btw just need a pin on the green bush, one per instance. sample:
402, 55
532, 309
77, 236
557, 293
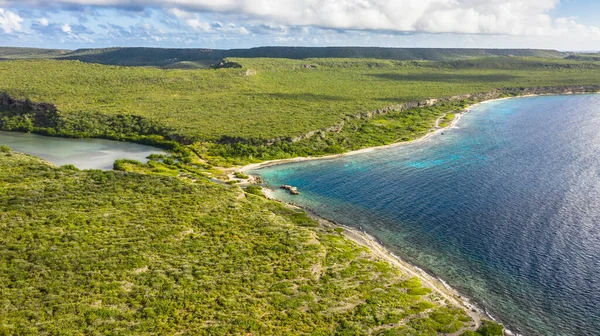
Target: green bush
255, 190
241, 175
419, 291
122, 163
156, 157
489, 328
68, 167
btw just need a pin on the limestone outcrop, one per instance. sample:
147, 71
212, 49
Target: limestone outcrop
292, 190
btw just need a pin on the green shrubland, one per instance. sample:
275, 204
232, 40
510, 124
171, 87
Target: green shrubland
593, 57
108, 252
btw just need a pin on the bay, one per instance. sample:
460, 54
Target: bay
505, 207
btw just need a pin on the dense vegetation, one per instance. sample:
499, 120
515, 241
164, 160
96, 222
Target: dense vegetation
185, 58
262, 110
105, 252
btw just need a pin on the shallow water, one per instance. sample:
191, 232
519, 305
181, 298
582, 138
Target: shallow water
505, 207
82, 153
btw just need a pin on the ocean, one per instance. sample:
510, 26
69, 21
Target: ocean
505, 207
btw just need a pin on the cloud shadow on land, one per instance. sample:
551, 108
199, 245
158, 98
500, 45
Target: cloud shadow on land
446, 78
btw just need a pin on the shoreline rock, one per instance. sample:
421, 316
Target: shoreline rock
292, 190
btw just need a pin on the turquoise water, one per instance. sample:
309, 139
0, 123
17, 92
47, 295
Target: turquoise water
505, 207
82, 153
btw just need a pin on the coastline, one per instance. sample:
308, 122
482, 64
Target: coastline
451, 295
378, 250
434, 130
437, 285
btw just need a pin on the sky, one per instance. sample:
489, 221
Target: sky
569, 25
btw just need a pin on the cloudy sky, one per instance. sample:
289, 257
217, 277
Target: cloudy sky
71, 24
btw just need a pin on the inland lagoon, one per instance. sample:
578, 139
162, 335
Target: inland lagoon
505, 207
82, 153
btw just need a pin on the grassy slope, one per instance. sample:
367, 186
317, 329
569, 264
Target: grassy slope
130, 254
285, 98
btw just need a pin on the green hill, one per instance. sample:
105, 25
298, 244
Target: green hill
166, 57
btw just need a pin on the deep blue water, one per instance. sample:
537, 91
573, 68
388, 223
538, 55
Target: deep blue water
505, 207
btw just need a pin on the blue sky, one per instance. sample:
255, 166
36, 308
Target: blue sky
71, 24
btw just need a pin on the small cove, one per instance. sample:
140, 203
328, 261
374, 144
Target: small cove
82, 153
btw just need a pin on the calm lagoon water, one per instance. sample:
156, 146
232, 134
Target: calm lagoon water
505, 207
82, 153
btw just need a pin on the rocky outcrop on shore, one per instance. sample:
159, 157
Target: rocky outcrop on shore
42, 114
292, 190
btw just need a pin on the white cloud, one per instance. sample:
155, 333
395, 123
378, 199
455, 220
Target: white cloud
193, 21
43, 22
190, 19
9, 21
247, 23
66, 28
509, 17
